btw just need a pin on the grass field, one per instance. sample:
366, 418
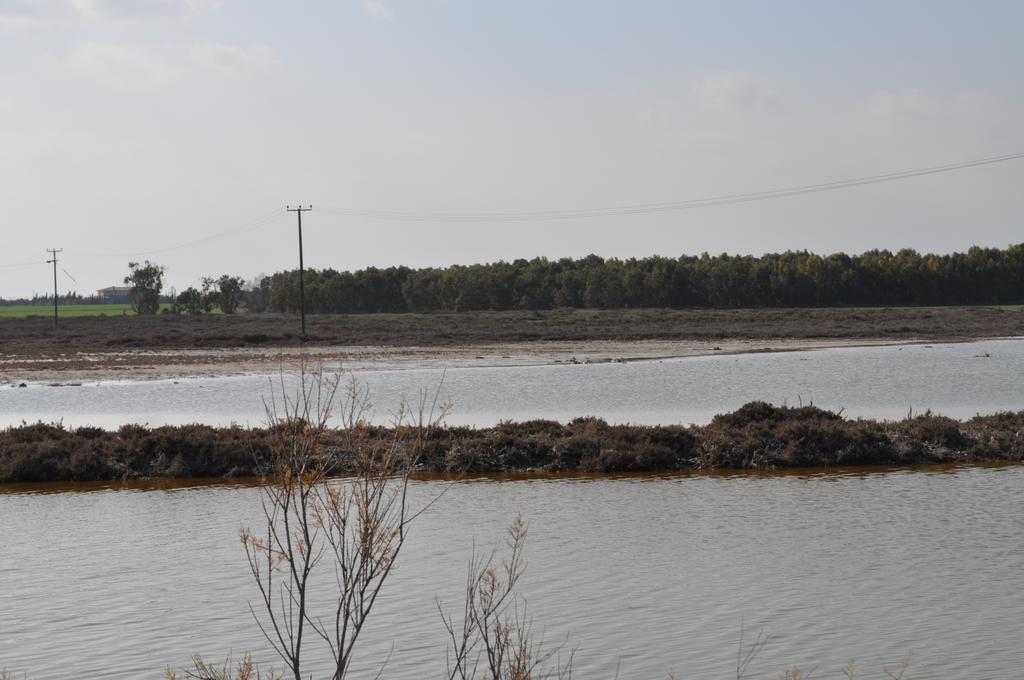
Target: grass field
23, 311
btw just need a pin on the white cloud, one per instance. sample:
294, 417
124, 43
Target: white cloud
144, 68
378, 9
123, 67
18, 16
906, 103
13, 23
88, 9
732, 92
142, 9
233, 59
22, 15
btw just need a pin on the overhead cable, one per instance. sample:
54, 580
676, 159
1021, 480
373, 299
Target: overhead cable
245, 227
21, 264
666, 206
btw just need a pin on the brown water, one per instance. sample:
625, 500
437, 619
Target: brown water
653, 574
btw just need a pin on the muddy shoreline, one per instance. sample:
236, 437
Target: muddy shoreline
223, 362
757, 436
96, 348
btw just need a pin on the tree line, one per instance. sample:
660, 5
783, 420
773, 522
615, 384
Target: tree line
789, 279
37, 299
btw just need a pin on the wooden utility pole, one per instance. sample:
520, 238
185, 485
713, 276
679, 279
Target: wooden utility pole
302, 286
54, 251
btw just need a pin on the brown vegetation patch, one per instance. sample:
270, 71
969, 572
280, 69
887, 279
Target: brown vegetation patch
758, 435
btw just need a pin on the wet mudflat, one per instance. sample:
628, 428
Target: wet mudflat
958, 380
35, 337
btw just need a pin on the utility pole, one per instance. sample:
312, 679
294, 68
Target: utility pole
302, 286
54, 251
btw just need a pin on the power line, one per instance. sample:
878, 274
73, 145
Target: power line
270, 217
259, 222
251, 225
23, 264
666, 206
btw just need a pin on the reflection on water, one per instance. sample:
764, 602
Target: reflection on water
654, 573
183, 483
958, 380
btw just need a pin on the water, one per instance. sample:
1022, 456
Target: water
654, 574
650, 574
958, 380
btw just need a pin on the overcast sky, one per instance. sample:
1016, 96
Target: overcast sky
132, 126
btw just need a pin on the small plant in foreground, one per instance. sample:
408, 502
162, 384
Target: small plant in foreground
244, 670
495, 640
357, 525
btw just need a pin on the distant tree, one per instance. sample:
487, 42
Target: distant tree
256, 294
788, 279
189, 301
229, 293
208, 295
146, 280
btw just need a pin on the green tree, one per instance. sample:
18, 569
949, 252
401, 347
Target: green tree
146, 280
256, 297
788, 279
189, 301
207, 295
229, 293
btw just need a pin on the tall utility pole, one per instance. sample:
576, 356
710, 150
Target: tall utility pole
302, 286
54, 251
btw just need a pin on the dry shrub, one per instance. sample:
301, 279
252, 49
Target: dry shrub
929, 438
1000, 435
757, 435
533, 428
761, 435
36, 432
759, 412
494, 638
575, 452
202, 670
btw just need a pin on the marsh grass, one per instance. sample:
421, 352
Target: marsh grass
757, 436
245, 669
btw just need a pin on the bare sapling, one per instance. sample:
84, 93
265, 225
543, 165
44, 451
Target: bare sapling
495, 639
356, 524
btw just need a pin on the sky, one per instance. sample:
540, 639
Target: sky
178, 130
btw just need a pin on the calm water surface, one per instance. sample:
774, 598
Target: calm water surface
653, 573
958, 380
